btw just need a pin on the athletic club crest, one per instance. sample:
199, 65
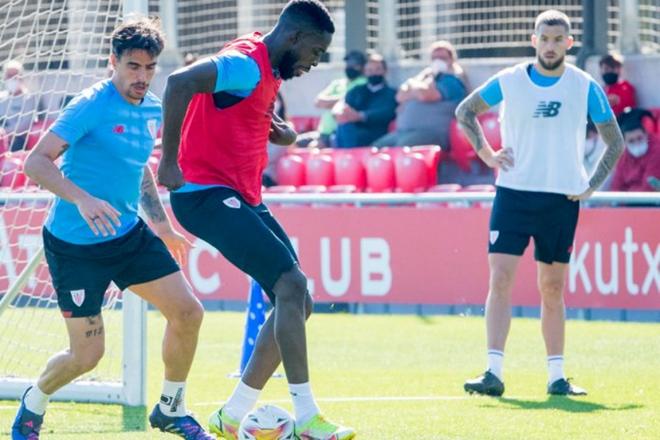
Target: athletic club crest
493, 236
152, 126
232, 202
78, 297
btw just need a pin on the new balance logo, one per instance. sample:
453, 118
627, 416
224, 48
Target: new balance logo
547, 109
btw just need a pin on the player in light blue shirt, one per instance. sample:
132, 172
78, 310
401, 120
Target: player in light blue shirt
93, 235
597, 106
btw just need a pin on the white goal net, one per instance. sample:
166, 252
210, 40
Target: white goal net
50, 50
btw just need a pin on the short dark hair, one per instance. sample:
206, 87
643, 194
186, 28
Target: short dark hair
378, 58
552, 17
309, 13
138, 34
612, 60
633, 119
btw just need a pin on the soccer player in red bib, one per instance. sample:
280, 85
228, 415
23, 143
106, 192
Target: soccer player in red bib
218, 119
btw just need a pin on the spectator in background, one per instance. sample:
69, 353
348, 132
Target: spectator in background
335, 91
427, 101
639, 166
268, 178
620, 93
367, 110
190, 58
19, 107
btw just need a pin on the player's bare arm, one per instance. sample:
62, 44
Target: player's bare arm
182, 84
281, 132
466, 115
153, 208
611, 134
40, 167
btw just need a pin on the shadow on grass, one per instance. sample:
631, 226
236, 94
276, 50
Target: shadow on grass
565, 404
134, 418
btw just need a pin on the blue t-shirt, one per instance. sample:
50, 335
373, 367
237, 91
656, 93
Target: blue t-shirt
110, 141
598, 106
238, 75
450, 87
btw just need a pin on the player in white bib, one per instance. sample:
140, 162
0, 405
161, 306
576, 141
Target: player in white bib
541, 179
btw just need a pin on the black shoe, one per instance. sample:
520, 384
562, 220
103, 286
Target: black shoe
487, 384
562, 387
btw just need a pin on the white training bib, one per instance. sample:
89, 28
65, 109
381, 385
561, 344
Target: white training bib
545, 127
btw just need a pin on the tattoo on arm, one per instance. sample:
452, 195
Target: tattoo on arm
149, 199
466, 114
613, 138
98, 331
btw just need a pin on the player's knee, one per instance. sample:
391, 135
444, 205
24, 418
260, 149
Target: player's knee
552, 291
291, 287
501, 282
188, 316
87, 359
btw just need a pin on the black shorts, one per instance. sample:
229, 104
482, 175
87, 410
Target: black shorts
82, 273
248, 236
549, 218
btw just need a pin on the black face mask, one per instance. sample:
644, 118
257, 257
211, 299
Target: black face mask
352, 73
610, 78
376, 80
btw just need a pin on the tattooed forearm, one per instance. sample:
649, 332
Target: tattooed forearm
466, 114
94, 332
149, 199
612, 137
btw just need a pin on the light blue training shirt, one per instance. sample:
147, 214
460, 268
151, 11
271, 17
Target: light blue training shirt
598, 106
110, 141
238, 75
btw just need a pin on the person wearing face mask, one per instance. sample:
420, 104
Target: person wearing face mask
639, 166
367, 110
18, 105
427, 101
620, 92
335, 91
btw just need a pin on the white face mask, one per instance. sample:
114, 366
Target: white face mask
12, 85
638, 149
439, 66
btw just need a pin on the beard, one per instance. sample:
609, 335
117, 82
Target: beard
550, 66
286, 67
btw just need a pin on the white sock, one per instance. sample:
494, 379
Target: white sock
495, 361
241, 401
555, 368
304, 404
172, 400
36, 400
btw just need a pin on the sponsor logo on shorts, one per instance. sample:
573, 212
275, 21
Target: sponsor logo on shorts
232, 202
493, 236
78, 296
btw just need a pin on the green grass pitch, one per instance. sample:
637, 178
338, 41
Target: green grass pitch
401, 377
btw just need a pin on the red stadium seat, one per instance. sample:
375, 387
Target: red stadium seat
281, 189
11, 175
461, 150
380, 173
342, 189
312, 189
303, 124
445, 187
320, 170
411, 172
350, 167
290, 170
656, 114
432, 156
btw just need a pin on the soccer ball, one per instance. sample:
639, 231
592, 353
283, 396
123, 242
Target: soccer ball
267, 423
